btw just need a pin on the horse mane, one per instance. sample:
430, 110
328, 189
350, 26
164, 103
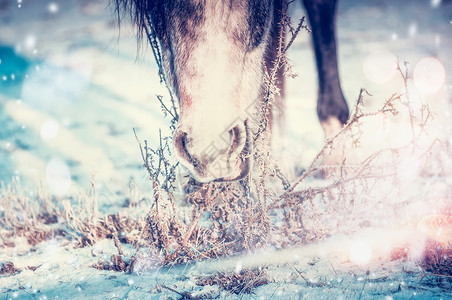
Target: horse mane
138, 11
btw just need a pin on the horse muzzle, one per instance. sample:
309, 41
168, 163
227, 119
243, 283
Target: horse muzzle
222, 157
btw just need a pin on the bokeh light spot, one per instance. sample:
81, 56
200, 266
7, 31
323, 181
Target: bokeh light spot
30, 41
380, 66
408, 168
435, 3
412, 30
58, 177
53, 7
360, 253
49, 129
429, 75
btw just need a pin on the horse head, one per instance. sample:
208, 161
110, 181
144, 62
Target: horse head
213, 57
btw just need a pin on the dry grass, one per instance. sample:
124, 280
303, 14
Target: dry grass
34, 217
116, 263
40, 217
238, 283
8, 269
437, 261
89, 225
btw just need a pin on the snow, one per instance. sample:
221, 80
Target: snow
329, 273
72, 89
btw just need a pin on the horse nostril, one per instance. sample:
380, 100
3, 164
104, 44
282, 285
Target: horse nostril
180, 143
235, 134
212, 156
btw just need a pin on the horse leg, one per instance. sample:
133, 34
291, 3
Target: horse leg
332, 108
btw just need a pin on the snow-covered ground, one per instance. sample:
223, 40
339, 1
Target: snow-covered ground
72, 89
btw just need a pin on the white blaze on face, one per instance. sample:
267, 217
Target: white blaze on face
212, 108
226, 77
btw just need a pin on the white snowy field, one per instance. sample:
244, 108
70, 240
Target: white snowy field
72, 89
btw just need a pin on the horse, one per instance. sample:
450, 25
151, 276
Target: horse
214, 55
